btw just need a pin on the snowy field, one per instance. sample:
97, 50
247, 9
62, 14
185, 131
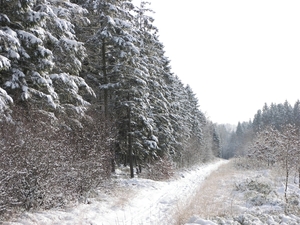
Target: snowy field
247, 197
132, 201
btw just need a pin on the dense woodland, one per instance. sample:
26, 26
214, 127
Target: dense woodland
279, 118
85, 86
271, 140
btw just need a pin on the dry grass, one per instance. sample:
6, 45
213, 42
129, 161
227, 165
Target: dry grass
213, 198
123, 196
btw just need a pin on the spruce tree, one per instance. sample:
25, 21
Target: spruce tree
152, 63
123, 78
296, 114
43, 54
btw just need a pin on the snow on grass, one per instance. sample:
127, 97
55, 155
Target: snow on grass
252, 196
132, 201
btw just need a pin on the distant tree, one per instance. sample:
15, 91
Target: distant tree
224, 133
266, 117
239, 130
257, 121
266, 146
288, 113
216, 143
290, 151
296, 112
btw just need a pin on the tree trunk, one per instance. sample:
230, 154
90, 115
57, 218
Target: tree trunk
286, 179
113, 158
113, 169
105, 78
130, 155
124, 158
299, 176
113, 166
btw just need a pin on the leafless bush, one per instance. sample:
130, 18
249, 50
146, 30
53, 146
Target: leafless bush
23, 162
92, 155
278, 148
44, 165
160, 169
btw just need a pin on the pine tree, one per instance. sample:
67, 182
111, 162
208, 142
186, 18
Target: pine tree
296, 114
124, 79
43, 54
288, 113
266, 118
257, 121
152, 63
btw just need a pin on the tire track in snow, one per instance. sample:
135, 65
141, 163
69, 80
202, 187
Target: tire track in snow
156, 203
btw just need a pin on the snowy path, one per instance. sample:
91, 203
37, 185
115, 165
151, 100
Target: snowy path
153, 203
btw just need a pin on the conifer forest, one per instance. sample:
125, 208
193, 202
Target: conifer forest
85, 87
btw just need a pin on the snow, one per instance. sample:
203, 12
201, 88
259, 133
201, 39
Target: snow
123, 54
37, 78
122, 23
4, 18
10, 35
140, 201
25, 95
113, 8
195, 220
151, 144
29, 37
143, 201
24, 53
5, 100
33, 16
71, 45
74, 83
110, 21
50, 101
14, 83
253, 197
44, 52
13, 54
4, 62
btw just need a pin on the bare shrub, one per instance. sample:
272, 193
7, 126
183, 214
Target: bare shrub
279, 148
91, 158
44, 165
160, 169
25, 160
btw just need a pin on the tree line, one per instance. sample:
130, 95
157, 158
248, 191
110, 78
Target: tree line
272, 139
85, 87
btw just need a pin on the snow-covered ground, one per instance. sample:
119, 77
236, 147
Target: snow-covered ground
250, 197
132, 201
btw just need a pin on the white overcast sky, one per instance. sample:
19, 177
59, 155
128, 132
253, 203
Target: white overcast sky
235, 54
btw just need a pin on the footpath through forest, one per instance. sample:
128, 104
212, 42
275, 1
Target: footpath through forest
130, 202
